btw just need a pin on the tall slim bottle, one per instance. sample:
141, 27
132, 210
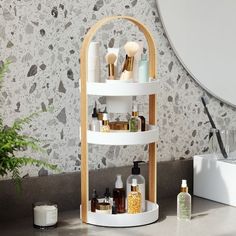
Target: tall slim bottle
184, 202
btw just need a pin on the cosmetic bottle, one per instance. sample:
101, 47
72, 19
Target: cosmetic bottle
134, 198
94, 62
119, 195
184, 202
105, 123
134, 121
143, 69
143, 122
94, 201
95, 124
114, 208
140, 181
107, 196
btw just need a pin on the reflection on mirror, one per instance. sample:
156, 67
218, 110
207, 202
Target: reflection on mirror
203, 36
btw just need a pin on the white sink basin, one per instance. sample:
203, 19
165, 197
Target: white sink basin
215, 179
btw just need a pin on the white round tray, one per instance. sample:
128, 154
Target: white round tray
123, 138
119, 88
125, 220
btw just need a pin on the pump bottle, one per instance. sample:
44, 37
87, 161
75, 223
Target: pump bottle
184, 202
140, 181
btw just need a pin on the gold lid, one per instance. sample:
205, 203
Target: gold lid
100, 116
134, 113
103, 206
119, 125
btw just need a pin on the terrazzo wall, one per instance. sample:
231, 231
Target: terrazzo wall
43, 38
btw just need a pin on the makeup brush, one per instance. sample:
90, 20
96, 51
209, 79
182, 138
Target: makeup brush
110, 59
219, 139
131, 48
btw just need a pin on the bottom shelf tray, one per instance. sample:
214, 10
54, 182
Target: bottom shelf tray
125, 220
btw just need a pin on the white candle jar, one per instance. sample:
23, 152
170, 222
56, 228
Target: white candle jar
45, 215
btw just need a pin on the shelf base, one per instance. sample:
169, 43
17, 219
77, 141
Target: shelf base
151, 215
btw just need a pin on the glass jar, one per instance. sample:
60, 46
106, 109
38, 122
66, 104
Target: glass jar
45, 215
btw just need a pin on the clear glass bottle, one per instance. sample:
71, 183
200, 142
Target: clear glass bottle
105, 123
119, 195
95, 124
136, 174
134, 121
184, 202
134, 199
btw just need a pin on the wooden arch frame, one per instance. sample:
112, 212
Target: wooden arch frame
84, 109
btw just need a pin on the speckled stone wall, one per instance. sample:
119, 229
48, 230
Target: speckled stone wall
43, 38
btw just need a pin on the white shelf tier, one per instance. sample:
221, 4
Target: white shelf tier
125, 220
123, 138
122, 88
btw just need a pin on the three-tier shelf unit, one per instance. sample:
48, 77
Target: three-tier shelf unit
118, 138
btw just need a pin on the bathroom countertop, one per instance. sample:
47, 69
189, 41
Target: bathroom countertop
208, 218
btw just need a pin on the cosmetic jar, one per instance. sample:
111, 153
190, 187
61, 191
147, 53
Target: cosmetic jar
104, 208
119, 125
45, 215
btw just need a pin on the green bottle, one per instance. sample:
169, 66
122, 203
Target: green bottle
184, 202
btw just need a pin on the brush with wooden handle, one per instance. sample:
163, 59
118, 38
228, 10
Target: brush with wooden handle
110, 59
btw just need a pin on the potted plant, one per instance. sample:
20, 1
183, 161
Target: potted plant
13, 142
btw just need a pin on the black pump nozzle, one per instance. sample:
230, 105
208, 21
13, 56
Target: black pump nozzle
136, 169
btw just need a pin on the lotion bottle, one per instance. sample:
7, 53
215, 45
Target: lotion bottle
143, 69
184, 202
140, 181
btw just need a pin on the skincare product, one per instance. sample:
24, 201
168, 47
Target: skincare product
105, 123
134, 198
94, 66
143, 69
134, 121
119, 195
116, 52
131, 49
114, 208
107, 196
94, 201
137, 59
103, 208
119, 125
184, 202
45, 215
95, 124
110, 59
140, 181
143, 122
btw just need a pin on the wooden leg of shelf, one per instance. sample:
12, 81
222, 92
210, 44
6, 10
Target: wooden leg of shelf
84, 145
152, 173
152, 151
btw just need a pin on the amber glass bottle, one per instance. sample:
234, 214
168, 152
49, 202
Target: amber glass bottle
119, 195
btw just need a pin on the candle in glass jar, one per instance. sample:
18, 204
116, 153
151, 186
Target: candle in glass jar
45, 215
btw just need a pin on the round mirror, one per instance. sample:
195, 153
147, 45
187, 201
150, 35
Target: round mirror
203, 36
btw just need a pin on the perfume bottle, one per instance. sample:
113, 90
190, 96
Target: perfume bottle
134, 199
94, 201
184, 202
105, 123
119, 195
134, 121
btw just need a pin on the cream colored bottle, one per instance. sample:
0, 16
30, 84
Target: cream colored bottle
184, 202
134, 199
